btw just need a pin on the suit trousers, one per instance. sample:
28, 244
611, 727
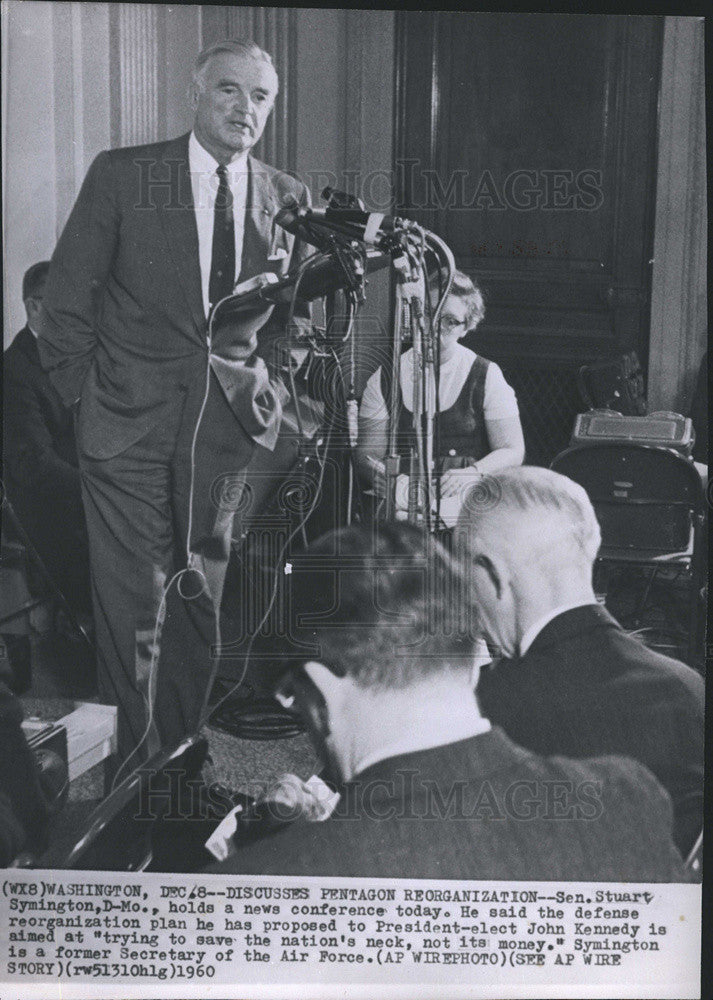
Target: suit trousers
156, 647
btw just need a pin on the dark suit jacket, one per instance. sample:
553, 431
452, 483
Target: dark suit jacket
483, 808
124, 324
39, 453
585, 688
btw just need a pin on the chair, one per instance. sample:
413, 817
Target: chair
650, 504
120, 833
617, 384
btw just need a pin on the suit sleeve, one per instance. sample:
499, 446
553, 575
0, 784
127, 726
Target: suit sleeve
79, 269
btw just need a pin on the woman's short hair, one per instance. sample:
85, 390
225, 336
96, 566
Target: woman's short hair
465, 288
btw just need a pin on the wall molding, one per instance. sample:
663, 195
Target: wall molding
82, 109
138, 93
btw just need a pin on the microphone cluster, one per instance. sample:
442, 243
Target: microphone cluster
319, 226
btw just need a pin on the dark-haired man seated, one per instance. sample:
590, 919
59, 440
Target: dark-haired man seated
429, 789
41, 469
570, 680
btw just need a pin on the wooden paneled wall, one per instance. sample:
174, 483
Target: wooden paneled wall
679, 299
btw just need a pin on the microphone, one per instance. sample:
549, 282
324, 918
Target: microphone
315, 225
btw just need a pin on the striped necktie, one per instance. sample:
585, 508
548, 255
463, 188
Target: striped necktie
222, 265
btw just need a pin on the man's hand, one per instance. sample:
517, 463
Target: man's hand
309, 800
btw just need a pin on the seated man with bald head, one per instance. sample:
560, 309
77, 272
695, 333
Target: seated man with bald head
570, 680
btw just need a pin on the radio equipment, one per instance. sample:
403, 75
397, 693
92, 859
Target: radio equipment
659, 430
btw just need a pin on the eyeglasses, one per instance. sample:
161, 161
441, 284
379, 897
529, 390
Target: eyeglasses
451, 322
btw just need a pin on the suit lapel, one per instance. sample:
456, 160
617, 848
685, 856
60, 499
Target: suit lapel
260, 212
178, 219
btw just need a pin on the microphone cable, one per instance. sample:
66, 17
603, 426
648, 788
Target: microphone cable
191, 564
206, 713
301, 272
206, 710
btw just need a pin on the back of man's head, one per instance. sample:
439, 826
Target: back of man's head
540, 522
392, 596
33, 282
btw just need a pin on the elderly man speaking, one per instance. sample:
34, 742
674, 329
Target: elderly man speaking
570, 680
167, 406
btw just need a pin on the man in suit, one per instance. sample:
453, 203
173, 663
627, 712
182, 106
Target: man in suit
40, 468
169, 407
429, 789
570, 680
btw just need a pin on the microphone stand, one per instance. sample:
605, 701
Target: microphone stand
343, 264
409, 317
419, 495
433, 370
401, 322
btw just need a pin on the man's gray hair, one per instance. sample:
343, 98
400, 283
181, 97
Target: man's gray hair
237, 46
531, 492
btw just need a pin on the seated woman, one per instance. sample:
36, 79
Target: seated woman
478, 424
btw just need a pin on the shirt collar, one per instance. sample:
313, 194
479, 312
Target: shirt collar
534, 630
201, 162
34, 333
462, 730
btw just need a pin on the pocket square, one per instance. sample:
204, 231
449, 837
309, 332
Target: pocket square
279, 254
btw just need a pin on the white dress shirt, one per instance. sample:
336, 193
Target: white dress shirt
499, 400
204, 185
463, 728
